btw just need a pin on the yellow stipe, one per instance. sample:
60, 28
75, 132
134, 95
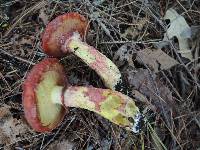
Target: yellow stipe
77, 98
109, 73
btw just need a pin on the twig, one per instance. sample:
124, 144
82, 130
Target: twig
27, 11
16, 57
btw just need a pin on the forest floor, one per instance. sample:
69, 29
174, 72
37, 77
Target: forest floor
157, 53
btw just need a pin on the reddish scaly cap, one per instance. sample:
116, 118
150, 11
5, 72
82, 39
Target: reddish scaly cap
59, 29
29, 98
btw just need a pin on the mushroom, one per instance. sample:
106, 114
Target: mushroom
64, 34
46, 93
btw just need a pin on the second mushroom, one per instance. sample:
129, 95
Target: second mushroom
64, 34
46, 92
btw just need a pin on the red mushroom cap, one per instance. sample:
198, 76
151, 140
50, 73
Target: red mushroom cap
41, 113
59, 29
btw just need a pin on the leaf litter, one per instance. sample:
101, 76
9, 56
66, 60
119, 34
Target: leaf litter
155, 59
12, 129
149, 85
178, 28
128, 33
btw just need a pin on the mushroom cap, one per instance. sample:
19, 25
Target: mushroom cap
59, 29
41, 113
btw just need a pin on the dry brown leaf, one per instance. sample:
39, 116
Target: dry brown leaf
149, 85
156, 92
155, 59
125, 54
122, 55
11, 129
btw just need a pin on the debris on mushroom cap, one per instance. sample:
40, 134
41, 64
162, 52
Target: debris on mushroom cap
59, 29
40, 112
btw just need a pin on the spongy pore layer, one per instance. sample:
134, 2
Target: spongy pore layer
40, 111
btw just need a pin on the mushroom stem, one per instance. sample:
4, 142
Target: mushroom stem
104, 67
114, 106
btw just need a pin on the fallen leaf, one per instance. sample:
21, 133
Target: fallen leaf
180, 29
125, 54
122, 55
156, 92
11, 129
143, 81
155, 59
